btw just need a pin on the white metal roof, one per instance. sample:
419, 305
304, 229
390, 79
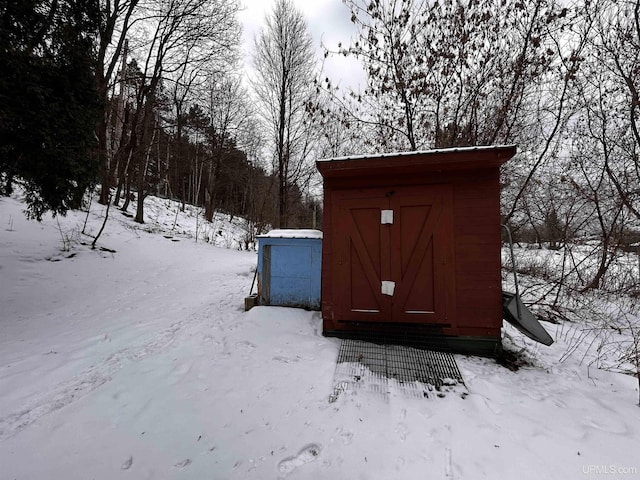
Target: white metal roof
292, 233
416, 152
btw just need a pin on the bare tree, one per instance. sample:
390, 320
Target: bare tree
229, 113
212, 55
284, 62
182, 32
616, 49
449, 73
117, 18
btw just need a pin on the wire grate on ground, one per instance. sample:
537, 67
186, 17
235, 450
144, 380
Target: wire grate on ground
384, 368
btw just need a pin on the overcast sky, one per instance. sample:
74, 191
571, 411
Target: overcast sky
328, 21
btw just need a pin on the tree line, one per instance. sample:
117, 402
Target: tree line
148, 96
145, 97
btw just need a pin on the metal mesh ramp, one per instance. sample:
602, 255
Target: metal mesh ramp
384, 369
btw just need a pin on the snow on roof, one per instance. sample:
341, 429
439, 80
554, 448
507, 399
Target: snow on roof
292, 233
416, 152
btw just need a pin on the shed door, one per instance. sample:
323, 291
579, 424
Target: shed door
394, 255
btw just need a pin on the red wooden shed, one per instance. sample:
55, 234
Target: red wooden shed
411, 247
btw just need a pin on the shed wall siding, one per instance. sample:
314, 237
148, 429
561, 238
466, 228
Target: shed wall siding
477, 245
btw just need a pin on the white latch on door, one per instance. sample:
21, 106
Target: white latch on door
386, 217
388, 287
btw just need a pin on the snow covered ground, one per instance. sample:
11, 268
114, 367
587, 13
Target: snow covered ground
142, 364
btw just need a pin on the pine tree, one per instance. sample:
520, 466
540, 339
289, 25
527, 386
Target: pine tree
48, 102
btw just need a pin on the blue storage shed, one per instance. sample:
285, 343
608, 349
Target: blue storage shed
289, 267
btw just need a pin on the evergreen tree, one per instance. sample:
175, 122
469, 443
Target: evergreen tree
48, 101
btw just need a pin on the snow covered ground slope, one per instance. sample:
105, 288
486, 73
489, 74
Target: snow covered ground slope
141, 364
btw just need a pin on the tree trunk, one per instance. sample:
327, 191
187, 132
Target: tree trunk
127, 193
102, 138
282, 176
602, 268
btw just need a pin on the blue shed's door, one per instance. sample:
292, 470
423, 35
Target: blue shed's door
290, 267
290, 274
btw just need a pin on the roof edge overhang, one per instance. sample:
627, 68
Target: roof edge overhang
447, 159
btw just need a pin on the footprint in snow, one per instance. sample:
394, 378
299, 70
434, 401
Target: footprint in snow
402, 430
127, 463
347, 437
308, 454
286, 359
184, 463
245, 345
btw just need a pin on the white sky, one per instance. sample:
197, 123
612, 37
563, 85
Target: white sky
328, 21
